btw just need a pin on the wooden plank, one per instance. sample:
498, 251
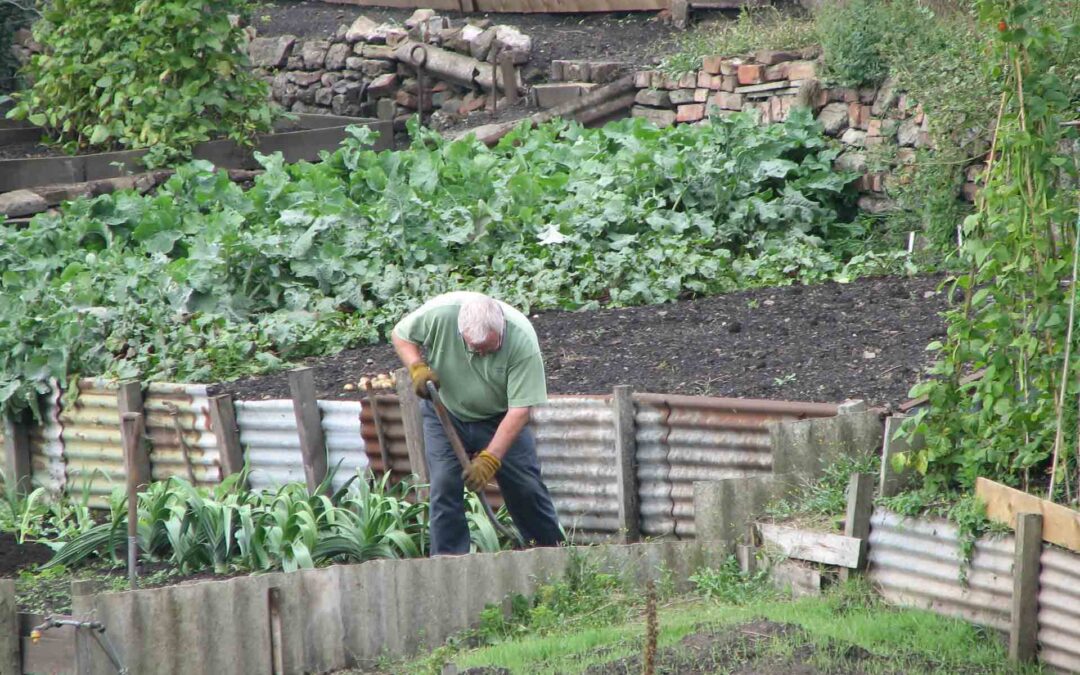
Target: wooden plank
309, 426
1024, 618
453, 5
860, 506
129, 399
1061, 525
819, 547
626, 464
569, 6
227, 433
413, 423
10, 647
16, 466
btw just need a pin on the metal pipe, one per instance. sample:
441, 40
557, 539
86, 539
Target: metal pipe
744, 405
463, 459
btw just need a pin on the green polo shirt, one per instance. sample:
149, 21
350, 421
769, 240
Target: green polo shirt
475, 387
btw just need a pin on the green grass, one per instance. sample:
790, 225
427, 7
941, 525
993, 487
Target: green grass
900, 640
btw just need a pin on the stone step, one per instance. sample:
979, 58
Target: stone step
557, 93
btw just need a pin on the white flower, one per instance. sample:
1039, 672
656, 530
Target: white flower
552, 235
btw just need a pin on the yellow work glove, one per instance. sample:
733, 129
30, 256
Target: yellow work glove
481, 471
422, 374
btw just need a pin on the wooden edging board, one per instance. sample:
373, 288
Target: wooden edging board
518, 6
303, 141
1061, 525
819, 547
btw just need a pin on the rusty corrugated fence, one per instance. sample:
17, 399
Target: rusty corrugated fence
1059, 609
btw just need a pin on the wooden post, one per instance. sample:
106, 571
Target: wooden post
309, 426
747, 556
386, 111
129, 399
891, 483
227, 433
131, 432
626, 463
413, 422
509, 77
17, 467
1024, 627
860, 506
680, 13
10, 641
81, 608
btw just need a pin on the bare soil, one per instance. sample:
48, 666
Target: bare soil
15, 556
826, 342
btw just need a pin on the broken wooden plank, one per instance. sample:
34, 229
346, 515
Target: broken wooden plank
1061, 525
819, 547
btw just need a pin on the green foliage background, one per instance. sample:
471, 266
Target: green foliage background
204, 280
159, 74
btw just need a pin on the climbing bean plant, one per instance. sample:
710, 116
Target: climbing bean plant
1013, 322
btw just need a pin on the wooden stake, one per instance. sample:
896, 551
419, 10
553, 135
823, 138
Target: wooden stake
626, 464
227, 433
860, 506
17, 467
129, 399
413, 423
10, 641
131, 432
309, 426
1024, 624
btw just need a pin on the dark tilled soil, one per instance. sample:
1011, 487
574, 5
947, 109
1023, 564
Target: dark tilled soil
826, 342
14, 556
625, 37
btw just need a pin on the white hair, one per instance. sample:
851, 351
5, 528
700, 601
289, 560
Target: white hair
480, 317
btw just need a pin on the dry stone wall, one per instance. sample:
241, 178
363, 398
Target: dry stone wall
366, 63
880, 128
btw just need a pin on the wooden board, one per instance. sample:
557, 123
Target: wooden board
1061, 525
819, 547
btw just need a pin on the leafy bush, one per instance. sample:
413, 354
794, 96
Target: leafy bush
851, 33
226, 527
730, 584
159, 74
204, 280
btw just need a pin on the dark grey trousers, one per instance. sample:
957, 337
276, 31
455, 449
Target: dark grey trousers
519, 479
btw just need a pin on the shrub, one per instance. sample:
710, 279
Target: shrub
851, 35
160, 74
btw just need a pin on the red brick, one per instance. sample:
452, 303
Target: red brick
711, 64
729, 83
688, 81
707, 81
858, 115
801, 70
691, 112
873, 128
472, 105
751, 73
642, 79
701, 95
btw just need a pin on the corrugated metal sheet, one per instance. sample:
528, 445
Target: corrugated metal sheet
90, 436
178, 426
683, 439
47, 462
575, 440
1059, 609
394, 429
271, 440
917, 563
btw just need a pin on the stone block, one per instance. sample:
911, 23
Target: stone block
801, 70
642, 78
843, 95
313, 52
660, 118
22, 203
729, 82
375, 67
324, 96
604, 72
727, 101
730, 67
481, 45
886, 98
383, 86
769, 57
692, 112
557, 93
707, 81
575, 71
336, 55
804, 449
777, 72
751, 73
329, 79
510, 40
867, 95
354, 63
688, 81
851, 160
374, 52
701, 95
853, 137
724, 509
682, 96
418, 17
305, 79
908, 132
362, 29
874, 204
271, 52
657, 98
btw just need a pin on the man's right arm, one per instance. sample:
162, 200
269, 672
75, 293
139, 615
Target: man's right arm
408, 352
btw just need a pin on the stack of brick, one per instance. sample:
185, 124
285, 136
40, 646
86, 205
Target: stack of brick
769, 84
573, 79
352, 72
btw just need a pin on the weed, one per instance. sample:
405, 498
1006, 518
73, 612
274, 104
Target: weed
824, 499
781, 381
730, 584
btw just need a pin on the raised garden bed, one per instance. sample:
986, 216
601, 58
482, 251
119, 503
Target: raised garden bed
297, 140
